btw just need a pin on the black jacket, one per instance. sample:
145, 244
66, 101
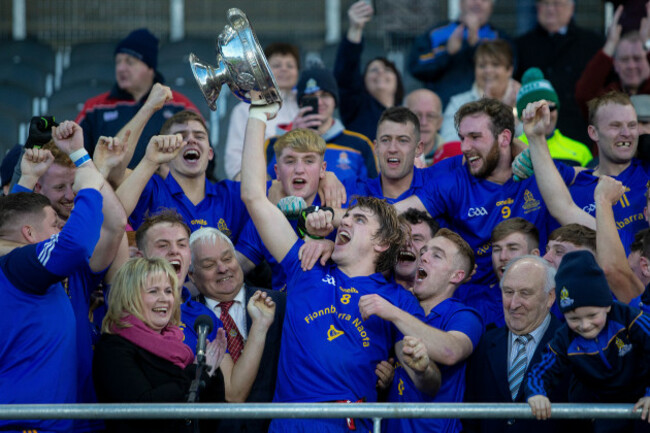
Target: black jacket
126, 373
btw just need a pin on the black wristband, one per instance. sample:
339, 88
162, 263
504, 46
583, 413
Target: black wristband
302, 220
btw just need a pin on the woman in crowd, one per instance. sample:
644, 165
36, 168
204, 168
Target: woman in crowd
363, 99
493, 67
141, 356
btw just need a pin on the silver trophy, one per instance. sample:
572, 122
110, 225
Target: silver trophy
241, 65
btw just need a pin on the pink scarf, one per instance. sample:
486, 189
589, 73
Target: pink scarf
168, 344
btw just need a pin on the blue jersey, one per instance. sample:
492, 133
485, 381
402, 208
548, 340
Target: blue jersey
472, 207
328, 352
449, 315
221, 208
79, 287
38, 347
628, 212
190, 310
611, 368
422, 177
250, 245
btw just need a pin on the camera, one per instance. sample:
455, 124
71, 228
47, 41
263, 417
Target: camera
40, 131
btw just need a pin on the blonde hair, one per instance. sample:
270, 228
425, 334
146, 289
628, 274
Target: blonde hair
300, 140
125, 296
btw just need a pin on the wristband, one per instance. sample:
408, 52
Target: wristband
257, 114
80, 157
302, 220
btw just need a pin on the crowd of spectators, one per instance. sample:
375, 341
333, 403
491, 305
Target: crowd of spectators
461, 243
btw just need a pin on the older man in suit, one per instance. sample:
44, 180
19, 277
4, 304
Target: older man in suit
219, 278
501, 359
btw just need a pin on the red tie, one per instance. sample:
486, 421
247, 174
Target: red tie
233, 337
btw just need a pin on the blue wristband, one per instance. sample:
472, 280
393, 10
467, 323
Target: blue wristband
81, 161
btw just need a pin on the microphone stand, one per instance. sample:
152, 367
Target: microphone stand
195, 388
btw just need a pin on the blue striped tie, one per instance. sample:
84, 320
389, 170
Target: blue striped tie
519, 364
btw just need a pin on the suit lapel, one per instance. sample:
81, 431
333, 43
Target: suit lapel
249, 292
498, 361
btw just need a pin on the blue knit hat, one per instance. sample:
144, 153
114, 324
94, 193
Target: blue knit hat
580, 282
313, 80
142, 45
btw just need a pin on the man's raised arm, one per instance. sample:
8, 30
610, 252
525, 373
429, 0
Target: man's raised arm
609, 248
273, 227
536, 117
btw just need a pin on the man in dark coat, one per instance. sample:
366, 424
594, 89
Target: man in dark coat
501, 360
561, 50
219, 278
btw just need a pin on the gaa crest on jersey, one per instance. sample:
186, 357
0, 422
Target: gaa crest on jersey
565, 300
530, 202
223, 227
623, 349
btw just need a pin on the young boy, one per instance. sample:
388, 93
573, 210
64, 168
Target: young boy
605, 343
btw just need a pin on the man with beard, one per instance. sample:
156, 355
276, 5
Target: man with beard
474, 198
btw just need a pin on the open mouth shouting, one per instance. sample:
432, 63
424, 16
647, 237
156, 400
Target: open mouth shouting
393, 161
421, 274
191, 155
343, 237
406, 256
176, 264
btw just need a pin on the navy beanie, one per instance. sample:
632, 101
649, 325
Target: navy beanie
580, 282
142, 45
313, 80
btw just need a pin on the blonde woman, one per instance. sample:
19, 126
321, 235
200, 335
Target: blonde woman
141, 356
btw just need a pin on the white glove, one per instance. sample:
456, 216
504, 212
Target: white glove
263, 112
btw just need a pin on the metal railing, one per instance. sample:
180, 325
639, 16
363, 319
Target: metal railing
374, 411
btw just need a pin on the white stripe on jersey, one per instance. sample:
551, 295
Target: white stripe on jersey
45, 253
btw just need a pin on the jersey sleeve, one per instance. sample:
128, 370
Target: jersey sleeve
567, 173
469, 322
544, 376
291, 265
434, 197
145, 203
239, 216
639, 329
34, 268
250, 244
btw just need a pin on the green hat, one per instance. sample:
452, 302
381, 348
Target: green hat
535, 88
